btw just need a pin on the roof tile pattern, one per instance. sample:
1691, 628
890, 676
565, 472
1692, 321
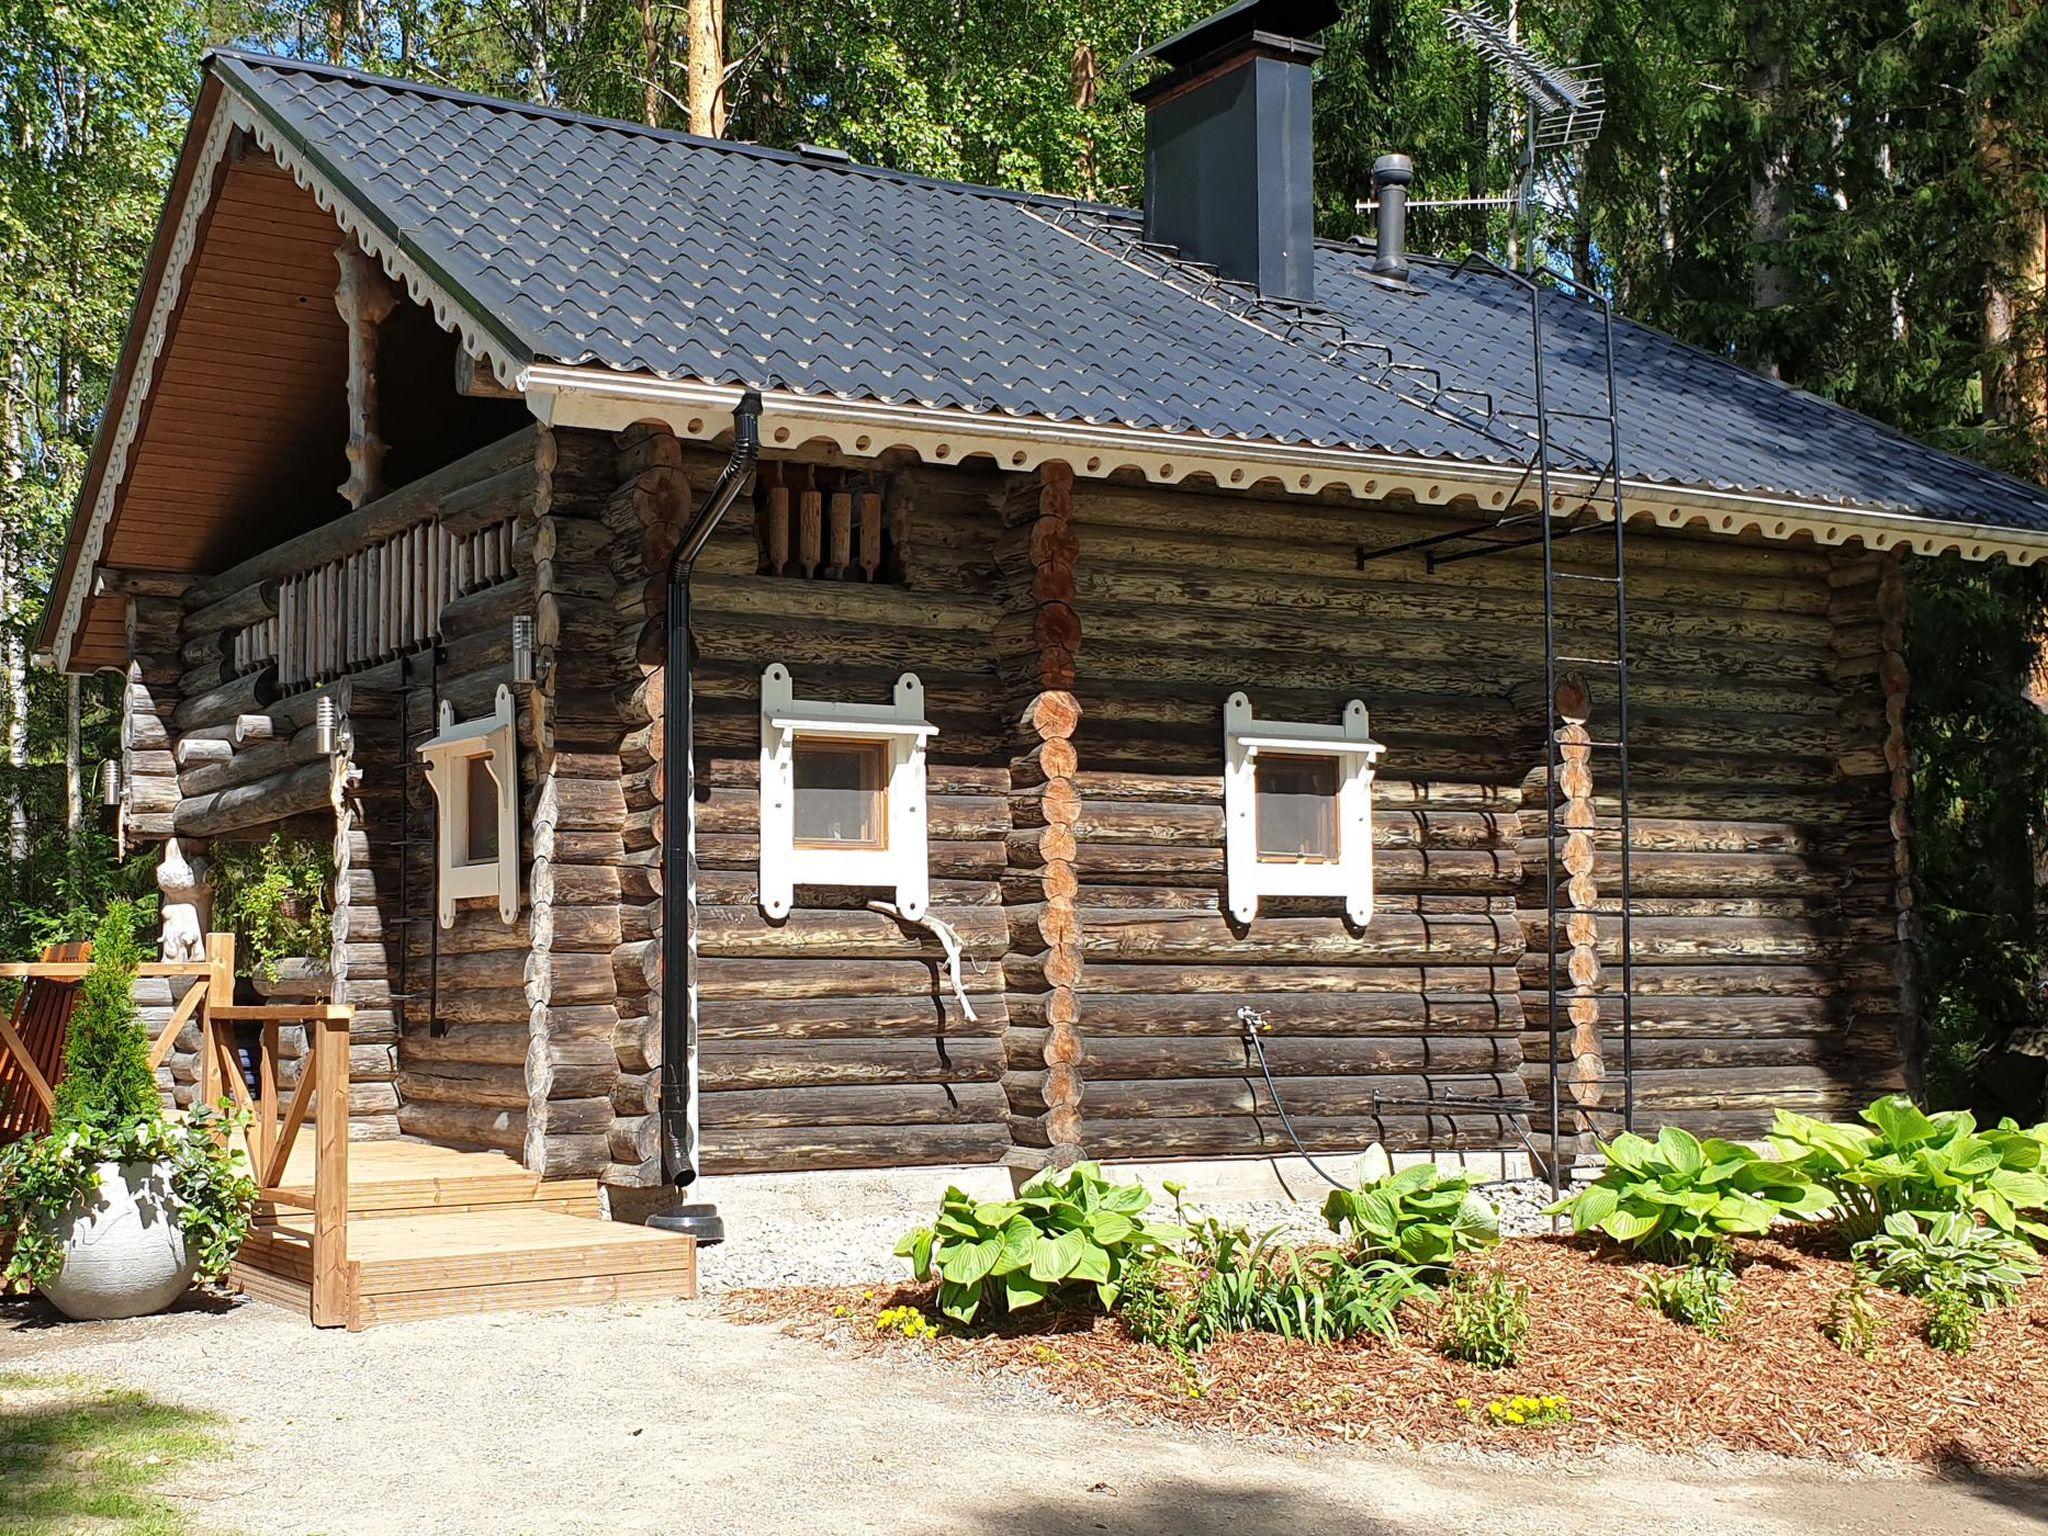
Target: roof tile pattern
596, 242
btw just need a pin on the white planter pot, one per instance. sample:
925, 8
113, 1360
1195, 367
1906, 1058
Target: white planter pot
124, 1249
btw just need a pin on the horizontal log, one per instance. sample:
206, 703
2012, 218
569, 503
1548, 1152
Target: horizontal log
933, 1017
471, 1125
896, 1104
748, 1149
817, 1063
1263, 1135
288, 793
1312, 1097
1390, 939
741, 932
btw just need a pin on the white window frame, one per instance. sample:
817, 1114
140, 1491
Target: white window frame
1349, 875
901, 865
447, 755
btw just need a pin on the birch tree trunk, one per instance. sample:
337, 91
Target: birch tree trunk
707, 68
1769, 79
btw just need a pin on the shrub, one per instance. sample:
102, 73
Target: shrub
1852, 1323
1422, 1216
1486, 1320
108, 1110
1066, 1228
1679, 1198
1902, 1160
1949, 1254
107, 1079
1951, 1321
1701, 1295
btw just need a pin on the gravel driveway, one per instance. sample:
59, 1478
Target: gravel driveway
668, 1418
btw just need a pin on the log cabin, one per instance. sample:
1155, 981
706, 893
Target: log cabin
805, 667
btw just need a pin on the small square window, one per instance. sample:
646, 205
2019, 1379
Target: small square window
480, 804
1297, 809
841, 790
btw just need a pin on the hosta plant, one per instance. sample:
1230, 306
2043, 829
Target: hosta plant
1067, 1228
1422, 1216
1901, 1160
1950, 1253
1679, 1198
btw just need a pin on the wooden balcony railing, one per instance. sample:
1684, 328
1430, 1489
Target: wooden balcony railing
273, 1110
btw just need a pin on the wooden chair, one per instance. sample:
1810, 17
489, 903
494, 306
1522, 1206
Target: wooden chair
32, 1044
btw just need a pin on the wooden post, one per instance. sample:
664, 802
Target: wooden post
331, 1299
220, 991
364, 298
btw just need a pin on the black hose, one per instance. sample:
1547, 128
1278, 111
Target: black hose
1252, 1021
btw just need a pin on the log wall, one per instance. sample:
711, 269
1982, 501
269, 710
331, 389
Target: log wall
1184, 599
1076, 641
833, 1039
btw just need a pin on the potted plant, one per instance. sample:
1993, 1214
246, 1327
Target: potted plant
119, 1207
274, 897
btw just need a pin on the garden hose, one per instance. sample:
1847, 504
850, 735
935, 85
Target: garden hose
1253, 1022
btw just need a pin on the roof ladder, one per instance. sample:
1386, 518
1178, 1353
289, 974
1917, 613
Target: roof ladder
1544, 526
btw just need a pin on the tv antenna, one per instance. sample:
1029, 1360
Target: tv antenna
1560, 108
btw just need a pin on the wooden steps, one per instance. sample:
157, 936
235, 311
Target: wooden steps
434, 1231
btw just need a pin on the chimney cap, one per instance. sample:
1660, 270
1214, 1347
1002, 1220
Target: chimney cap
1282, 18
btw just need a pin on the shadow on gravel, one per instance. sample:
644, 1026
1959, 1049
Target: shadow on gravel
20, 1314
1183, 1507
2024, 1493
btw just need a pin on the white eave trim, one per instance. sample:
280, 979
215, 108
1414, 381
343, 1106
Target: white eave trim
603, 400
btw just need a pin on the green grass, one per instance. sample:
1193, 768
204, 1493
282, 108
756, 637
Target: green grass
77, 1457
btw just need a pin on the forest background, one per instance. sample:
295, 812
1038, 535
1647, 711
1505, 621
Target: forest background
1850, 195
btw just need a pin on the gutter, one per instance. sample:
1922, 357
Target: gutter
680, 1121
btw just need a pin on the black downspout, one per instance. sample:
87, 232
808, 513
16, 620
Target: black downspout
678, 1027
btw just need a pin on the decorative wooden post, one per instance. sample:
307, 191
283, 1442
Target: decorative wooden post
364, 297
214, 1049
1039, 645
330, 1036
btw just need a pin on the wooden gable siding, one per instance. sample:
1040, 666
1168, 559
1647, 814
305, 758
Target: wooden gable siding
256, 342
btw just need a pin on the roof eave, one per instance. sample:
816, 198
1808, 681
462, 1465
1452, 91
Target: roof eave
603, 399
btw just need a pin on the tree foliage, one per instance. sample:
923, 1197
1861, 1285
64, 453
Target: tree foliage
1849, 195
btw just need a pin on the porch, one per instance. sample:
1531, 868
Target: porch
353, 1233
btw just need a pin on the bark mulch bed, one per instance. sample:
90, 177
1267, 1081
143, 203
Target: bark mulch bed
1776, 1385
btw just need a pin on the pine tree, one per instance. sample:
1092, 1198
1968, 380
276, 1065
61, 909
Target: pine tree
107, 1079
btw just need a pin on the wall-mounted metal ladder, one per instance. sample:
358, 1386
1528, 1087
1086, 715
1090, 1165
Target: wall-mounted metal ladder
1574, 495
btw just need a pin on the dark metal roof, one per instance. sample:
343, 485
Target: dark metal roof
577, 240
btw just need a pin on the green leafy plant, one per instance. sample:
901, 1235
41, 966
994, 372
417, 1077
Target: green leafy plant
1485, 1320
274, 895
1422, 1216
1521, 1412
1701, 1295
1951, 1254
1231, 1282
1903, 1160
108, 1111
1952, 1321
1680, 1198
1065, 1229
1853, 1325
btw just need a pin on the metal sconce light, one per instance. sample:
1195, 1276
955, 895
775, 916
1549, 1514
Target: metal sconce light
522, 648
110, 783
323, 726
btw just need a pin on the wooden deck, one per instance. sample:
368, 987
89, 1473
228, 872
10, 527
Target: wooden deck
434, 1231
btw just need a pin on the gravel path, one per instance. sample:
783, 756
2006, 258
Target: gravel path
666, 1418
807, 1250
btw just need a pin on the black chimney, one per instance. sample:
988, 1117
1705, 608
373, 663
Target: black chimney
1229, 162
